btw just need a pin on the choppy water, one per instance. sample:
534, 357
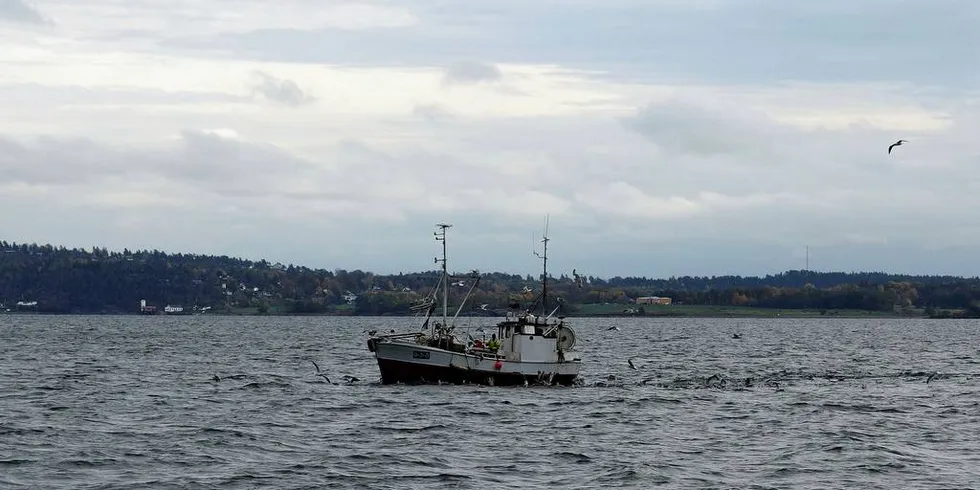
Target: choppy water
131, 402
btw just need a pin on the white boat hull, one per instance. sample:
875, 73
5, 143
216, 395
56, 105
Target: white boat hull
409, 362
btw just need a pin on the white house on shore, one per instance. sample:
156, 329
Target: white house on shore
652, 300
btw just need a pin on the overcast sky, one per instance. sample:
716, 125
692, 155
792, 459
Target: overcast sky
663, 137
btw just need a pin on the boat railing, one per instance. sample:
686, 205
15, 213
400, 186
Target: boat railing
396, 336
484, 353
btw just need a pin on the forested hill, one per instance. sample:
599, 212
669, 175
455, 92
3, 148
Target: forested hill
788, 279
98, 280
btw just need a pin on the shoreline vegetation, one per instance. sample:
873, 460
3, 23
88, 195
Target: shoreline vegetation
666, 311
45, 279
587, 311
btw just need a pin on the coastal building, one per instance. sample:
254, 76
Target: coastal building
24, 306
652, 300
146, 309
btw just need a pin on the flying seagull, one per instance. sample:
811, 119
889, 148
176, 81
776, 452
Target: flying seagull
893, 145
318, 373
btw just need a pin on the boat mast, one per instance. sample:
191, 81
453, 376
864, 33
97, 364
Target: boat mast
441, 236
544, 278
544, 275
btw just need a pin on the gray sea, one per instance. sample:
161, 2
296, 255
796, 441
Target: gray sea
234, 402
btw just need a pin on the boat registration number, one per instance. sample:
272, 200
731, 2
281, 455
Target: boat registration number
420, 354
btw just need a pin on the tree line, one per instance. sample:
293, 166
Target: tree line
53, 279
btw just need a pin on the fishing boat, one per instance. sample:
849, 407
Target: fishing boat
525, 348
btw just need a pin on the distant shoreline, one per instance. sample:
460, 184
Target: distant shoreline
57, 280
674, 311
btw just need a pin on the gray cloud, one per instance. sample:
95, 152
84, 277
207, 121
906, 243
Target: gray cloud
201, 160
686, 128
283, 91
722, 40
222, 164
57, 161
209, 163
471, 72
18, 11
432, 112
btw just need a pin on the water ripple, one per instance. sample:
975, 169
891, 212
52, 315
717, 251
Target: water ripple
212, 402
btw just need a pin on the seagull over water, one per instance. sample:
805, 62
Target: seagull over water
897, 143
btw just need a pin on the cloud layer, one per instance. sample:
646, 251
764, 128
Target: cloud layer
18, 11
662, 137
